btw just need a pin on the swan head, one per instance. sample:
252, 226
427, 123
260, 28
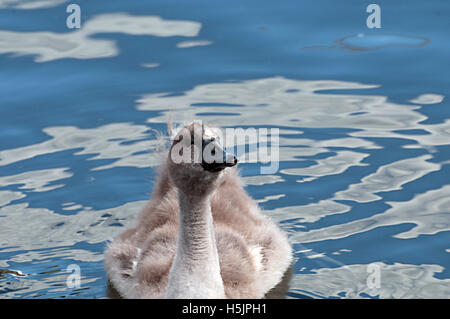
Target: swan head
197, 159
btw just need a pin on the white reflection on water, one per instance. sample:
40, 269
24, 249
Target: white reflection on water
366, 42
49, 46
295, 103
397, 281
363, 41
44, 239
308, 213
388, 178
37, 181
105, 142
295, 148
260, 180
54, 282
428, 99
7, 197
150, 65
51, 230
428, 211
284, 101
330, 166
190, 44
29, 4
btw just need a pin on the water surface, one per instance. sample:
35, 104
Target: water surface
364, 163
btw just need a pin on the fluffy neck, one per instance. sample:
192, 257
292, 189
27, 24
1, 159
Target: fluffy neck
195, 272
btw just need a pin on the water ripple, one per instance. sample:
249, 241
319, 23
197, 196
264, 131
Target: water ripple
428, 211
49, 46
398, 281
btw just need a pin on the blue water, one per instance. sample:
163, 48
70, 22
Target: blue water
363, 178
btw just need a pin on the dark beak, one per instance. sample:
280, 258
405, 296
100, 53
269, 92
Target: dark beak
219, 161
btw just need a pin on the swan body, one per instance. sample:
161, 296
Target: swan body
200, 236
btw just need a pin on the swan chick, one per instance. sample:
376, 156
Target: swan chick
200, 235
